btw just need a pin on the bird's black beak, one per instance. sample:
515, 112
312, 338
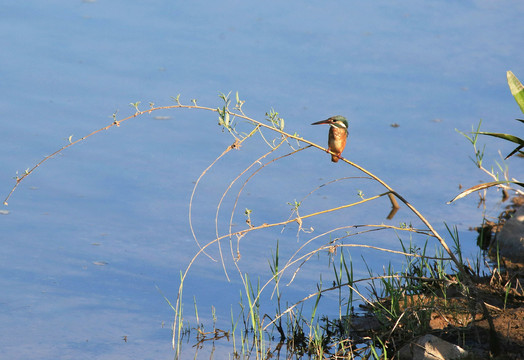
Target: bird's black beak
327, 121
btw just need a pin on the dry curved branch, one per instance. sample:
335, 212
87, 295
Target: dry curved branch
222, 199
259, 125
249, 178
193, 195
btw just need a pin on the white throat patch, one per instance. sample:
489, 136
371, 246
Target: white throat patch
339, 125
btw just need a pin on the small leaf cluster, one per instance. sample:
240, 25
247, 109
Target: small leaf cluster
224, 118
276, 121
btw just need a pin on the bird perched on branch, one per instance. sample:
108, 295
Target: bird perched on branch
338, 133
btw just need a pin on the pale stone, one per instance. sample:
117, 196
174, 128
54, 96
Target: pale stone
430, 347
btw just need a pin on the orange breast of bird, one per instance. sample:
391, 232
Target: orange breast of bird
337, 142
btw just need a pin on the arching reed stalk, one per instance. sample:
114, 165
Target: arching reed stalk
227, 119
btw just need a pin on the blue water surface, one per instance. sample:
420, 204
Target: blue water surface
92, 234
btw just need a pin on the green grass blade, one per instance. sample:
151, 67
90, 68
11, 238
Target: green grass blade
517, 89
508, 137
518, 148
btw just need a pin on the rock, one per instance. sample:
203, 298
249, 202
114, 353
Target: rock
430, 347
511, 238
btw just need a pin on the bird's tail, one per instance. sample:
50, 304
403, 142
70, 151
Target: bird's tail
334, 158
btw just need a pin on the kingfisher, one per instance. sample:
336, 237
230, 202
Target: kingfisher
338, 133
